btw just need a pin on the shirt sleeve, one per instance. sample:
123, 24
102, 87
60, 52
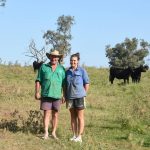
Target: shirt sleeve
63, 77
85, 77
38, 78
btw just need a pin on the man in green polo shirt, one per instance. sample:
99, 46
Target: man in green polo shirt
48, 88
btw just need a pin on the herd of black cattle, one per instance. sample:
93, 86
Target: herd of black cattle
116, 72
124, 74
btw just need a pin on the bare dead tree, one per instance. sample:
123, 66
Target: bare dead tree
33, 52
39, 55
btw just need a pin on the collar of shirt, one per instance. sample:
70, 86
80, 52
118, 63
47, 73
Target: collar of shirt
77, 69
48, 64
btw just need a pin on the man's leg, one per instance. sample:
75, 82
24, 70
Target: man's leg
54, 123
46, 122
55, 109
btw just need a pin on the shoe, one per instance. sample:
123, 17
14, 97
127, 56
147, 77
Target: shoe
73, 138
78, 139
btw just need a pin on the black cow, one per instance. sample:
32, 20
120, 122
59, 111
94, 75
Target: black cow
136, 73
37, 65
119, 73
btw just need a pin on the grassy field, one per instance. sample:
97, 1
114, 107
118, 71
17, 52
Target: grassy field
117, 116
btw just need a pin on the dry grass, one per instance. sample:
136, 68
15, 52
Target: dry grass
116, 118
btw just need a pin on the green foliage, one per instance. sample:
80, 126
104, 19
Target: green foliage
33, 124
11, 125
131, 53
60, 39
2, 3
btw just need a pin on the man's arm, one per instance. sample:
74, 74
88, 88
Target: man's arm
37, 90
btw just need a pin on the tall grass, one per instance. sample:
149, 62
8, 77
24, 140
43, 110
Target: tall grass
117, 116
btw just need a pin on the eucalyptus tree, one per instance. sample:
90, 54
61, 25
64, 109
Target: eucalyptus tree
129, 53
60, 39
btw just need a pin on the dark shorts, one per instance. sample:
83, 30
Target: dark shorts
78, 103
48, 103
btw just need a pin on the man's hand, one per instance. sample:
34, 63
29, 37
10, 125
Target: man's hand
37, 96
63, 100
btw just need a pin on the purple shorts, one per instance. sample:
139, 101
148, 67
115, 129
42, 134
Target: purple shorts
48, 103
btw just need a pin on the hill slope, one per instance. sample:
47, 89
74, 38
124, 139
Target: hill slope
117, 116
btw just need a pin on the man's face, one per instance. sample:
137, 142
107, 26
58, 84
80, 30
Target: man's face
54, 59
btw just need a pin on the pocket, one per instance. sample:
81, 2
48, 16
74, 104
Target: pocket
69, 79
78, 78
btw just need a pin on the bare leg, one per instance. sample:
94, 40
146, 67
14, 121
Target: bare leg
80, 114
74, 126
46, 122
54, 123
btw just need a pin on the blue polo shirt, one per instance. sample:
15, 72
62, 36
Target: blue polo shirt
75, 81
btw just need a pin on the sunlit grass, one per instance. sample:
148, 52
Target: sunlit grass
116, 117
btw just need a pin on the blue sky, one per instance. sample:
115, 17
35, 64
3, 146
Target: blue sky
98, 23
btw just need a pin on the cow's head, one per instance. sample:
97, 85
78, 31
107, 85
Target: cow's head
144, 68
37, 65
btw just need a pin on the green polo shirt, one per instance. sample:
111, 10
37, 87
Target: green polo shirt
51, 81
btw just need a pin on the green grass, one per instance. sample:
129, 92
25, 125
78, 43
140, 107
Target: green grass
117, 116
